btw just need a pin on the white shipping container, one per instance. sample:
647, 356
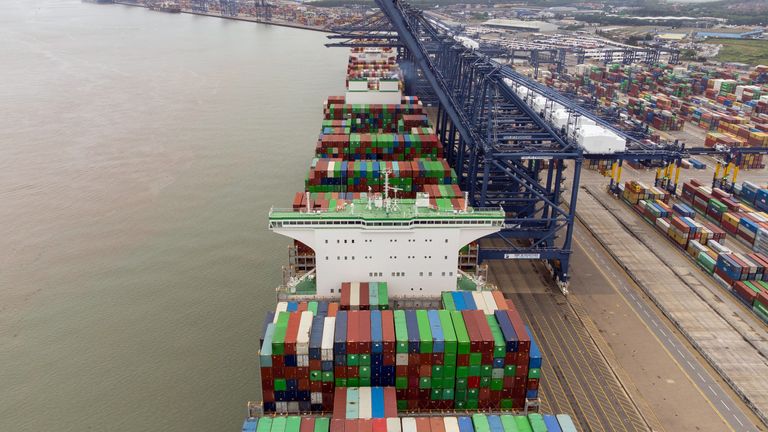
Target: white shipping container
326, 346
409, 424
302, 337
479, 301
302, 360
354, 296
490, 302
316, 397
393, 424
364, 405
401, 359
281, 307
451, 424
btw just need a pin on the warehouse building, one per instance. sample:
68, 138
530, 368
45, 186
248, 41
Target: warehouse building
730, 33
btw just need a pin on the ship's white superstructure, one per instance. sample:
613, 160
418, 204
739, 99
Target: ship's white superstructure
366, 86
414, 249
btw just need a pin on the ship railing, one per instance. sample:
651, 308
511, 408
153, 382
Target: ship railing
426, 212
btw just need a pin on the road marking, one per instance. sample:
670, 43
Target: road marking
689, 363
737, 419
655, 323
726, 406
663, 332
700, 377
710, 388
645, 311
709, 401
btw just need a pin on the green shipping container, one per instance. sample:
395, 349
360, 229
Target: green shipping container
278, 424
449, 335
322, 424
293, 424
448, 303
401, 332
265, 424
480, 421
522, 424
425, 332
508, 421
537, 422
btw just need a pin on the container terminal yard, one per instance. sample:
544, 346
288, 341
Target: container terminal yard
570, 290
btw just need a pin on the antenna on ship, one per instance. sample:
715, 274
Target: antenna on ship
370, 201
390, 204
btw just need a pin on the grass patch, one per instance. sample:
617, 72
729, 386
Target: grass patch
748, 51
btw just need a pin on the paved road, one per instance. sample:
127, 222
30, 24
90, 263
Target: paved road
720, 400
577, 378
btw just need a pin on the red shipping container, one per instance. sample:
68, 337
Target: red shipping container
340, 403
422, 423
379, 424
291, 333
352, 333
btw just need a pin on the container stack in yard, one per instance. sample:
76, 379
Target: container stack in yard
742, 214
703, 238
356, 355
730, 105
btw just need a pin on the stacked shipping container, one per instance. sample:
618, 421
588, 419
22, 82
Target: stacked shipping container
742, 215
477, 357
337, 175
475, 423
704, 241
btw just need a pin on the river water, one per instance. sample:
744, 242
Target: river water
139, 155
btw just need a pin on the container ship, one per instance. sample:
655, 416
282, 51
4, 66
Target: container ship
384, 318
166, 6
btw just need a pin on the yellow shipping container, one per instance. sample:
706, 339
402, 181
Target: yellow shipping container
731, 218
